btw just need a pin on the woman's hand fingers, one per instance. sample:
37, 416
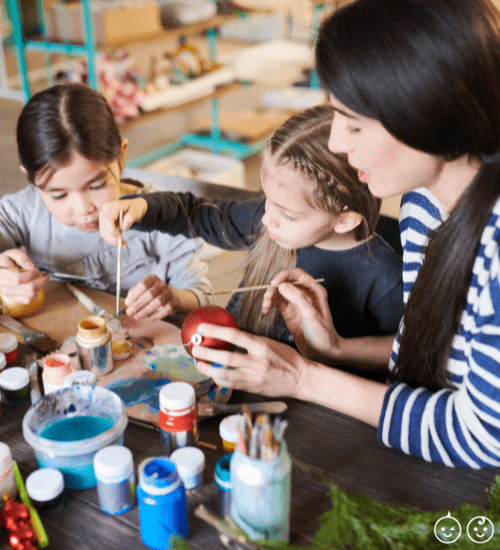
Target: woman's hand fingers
268, 367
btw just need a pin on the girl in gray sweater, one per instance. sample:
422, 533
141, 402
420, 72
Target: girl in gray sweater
71, 152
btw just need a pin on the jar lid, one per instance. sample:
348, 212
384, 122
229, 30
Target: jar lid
3, 361
188, 461
230, 426
14, 378
222, 467
5, 457
45, 484
80, 378
113, 463
177, 396
8, 343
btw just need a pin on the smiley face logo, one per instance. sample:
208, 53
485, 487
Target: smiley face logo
480, 529
447, 529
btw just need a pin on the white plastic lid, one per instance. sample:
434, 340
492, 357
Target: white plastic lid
5, 457
3, 361
228, 428
113, 463
14, 378
176, 396
45, 484
8, 343
80, 378
189, 461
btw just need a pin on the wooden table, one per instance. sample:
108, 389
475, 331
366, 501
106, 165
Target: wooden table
344, 450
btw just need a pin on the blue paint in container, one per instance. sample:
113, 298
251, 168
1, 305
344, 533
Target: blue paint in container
162, 503
67, 427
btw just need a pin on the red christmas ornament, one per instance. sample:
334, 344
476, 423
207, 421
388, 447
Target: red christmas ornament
214, 315
16, 520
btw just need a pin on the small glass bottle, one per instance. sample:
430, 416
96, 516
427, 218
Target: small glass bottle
45, 487
93, 345
222, 478
229, 429
55, 369
178, 417
114, 471
8, 346
190, 463
7, 477
15, 383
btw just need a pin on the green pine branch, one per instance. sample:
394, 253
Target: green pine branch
359, 522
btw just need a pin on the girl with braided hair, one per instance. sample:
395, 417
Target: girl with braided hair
316, 214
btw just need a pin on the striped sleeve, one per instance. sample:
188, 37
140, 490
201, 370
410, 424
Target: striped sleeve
458, 427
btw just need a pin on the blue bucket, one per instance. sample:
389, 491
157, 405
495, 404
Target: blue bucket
67, 427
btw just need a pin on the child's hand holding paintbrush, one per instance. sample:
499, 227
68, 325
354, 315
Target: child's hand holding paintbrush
20, 281
130, 210
305, 310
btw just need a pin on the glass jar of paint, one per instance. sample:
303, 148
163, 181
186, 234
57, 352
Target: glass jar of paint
222, 478
15, 383
45, 487
178, 417
229, 429
161, 497
114, 471
7, 477
260, 495
8, 346
190, 463
55, 369
80, 378
3, 361
93, 345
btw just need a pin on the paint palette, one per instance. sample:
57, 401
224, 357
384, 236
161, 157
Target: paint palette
157, 358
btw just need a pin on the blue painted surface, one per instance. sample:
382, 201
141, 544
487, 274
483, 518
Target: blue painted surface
139, 390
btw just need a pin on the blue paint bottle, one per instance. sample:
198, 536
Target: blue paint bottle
162, 503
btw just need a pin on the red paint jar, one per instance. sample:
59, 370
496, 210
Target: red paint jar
8, 346
178, 417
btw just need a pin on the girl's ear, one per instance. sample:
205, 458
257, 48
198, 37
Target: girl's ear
122, 152
23, 169
347, 221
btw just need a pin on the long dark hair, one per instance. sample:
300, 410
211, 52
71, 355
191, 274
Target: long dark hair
302, 142
62, 119
429, 71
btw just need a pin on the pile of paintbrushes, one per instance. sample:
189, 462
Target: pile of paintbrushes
261, 439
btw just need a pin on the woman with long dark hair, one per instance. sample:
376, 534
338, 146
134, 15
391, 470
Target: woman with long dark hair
415, 86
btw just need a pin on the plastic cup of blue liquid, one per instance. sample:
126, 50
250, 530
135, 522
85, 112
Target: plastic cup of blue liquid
67, 427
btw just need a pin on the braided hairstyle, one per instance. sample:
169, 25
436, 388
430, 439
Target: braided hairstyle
302, 142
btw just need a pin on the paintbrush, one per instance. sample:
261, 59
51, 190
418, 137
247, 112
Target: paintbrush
53, 274
261, 287
36, 339
111, 322
119, 268
267, 407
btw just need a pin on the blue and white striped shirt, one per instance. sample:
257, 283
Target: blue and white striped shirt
457, 427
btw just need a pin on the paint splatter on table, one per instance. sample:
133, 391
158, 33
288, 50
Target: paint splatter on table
157, 358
